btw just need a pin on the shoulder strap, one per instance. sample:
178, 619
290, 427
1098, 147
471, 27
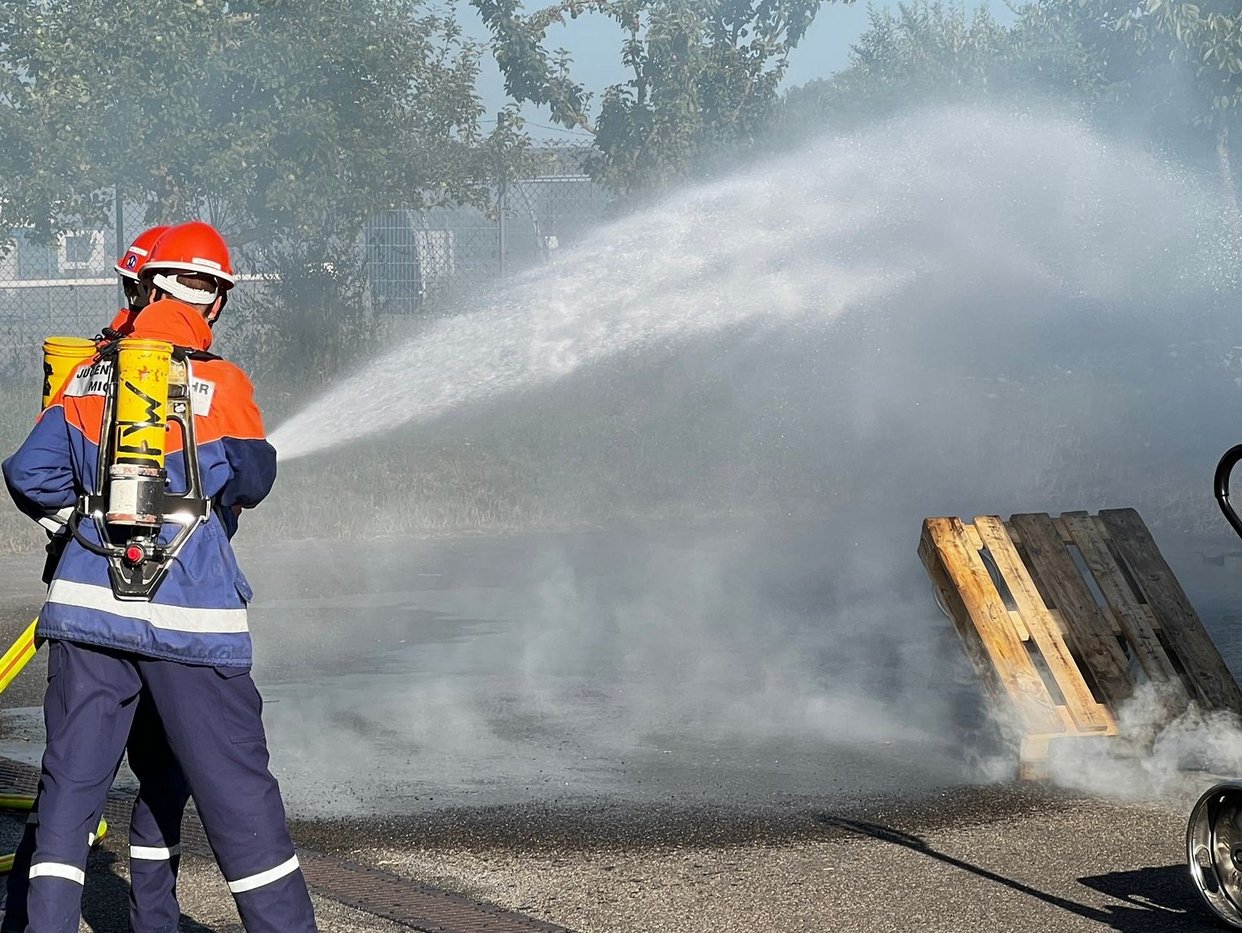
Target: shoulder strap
200, 355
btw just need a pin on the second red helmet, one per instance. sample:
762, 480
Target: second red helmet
134, 258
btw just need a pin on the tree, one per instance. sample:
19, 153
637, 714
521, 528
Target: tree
1205, 40
704, 77
920, 53
1069, 51
282, 116
287, 123
1125, 70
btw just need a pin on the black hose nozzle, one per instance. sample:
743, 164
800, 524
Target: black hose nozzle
1221, 484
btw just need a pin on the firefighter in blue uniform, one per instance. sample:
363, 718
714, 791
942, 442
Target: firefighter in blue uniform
185, 650
155, 822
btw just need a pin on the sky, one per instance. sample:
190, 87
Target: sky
594, 44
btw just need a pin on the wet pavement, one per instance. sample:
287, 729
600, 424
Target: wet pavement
997, 859
725, 728
711, 666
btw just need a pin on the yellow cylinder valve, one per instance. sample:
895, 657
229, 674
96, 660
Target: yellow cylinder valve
136, 474
61, 356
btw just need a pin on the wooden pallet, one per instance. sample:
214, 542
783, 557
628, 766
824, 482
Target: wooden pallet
1065, 618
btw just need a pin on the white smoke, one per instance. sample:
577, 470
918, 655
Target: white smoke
1179, 757
958, 313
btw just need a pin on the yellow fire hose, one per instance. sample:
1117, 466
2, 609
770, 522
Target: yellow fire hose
18, 655
61, 358
11, 664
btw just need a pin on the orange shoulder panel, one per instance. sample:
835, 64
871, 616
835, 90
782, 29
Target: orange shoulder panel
228, 397
83, 412
123, 323
86, 415
223, 402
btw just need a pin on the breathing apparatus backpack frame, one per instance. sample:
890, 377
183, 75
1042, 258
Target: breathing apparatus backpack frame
147, 389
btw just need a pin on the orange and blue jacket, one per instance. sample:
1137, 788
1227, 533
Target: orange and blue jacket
197, 615
123, 323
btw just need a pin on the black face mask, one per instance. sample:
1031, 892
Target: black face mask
136, 294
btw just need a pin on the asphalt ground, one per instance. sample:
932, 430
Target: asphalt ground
890, 836
1000, 858
1003, 858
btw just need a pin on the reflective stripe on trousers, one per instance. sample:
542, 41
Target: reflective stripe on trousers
264, 878
211, 719
57, 870
153, 853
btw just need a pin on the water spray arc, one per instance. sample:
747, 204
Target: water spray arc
960, 308
942, 201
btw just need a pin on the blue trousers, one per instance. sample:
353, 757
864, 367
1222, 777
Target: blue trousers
211, 718
154, 834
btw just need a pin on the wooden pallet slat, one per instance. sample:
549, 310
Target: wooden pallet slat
1209, 678
1136, 620
1088, 715
1090, 633
982, 622
1082, 610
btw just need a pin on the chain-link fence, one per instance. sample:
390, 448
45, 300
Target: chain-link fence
66, 287
421, 259
416, 261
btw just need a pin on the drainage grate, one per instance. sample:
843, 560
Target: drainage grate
380, 893
407, 902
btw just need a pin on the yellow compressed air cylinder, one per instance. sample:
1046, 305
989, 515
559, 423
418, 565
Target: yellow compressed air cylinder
136, 474
61, 356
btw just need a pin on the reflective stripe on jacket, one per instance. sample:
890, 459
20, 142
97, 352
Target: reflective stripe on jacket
198, 613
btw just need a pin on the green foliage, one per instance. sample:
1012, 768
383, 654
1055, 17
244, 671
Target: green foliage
703, 78
305, 327
1203, 40
930, 51
285, 123
1168, 71
285, 118
1208, 33
920, 53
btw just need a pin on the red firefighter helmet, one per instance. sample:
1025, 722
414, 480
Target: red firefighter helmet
196, 247
134, 258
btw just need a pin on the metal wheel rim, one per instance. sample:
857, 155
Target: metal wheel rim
1214, 851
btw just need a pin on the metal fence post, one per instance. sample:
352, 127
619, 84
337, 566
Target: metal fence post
502, 201
118, 220
502, 209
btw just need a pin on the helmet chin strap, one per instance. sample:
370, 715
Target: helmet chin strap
192, 296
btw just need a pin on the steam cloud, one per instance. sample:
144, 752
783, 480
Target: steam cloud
957, 313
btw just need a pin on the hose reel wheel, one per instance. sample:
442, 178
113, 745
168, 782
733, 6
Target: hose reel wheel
1214, 850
